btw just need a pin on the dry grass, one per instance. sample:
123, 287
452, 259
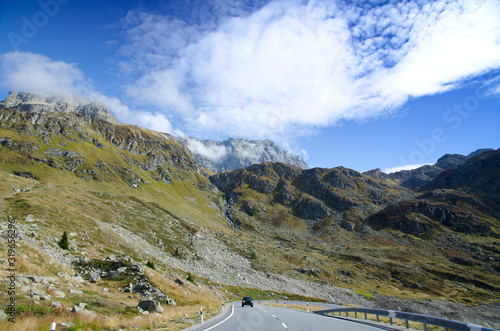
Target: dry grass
172, 319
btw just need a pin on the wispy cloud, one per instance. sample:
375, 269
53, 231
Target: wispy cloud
212, 152
287, 67
36, 72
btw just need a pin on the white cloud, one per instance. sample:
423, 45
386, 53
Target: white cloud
405, 167
288, 67
212, 152
36, 72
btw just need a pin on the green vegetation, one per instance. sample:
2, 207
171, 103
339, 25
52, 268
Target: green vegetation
64, 243
368, 296
150, 264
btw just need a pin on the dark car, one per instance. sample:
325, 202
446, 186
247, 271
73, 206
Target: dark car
247, 301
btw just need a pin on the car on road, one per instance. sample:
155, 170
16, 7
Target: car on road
247, 301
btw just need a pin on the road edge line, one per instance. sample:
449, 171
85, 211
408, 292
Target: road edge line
230, 315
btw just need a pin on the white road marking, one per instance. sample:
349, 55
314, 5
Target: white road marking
232, 312
274, 316
284, 325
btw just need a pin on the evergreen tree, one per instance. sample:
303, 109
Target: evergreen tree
64, 243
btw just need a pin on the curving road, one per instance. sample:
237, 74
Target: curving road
267, 318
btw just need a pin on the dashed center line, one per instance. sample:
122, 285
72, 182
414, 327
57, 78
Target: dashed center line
284, 325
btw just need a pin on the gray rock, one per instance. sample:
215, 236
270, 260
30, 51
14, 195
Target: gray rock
94, 277
151, 306
45, 297
75, 292
3, 315
347, 226
78, 307
126, 289
79, 279
56, 304
30, 218
59, 294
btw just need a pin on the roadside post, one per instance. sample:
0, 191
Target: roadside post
307, 304
53, 326
201, 314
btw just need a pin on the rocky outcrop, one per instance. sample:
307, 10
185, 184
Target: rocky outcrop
234, 154
42, 103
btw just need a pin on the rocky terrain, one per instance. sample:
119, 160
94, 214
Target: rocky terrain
130, 197
238, 153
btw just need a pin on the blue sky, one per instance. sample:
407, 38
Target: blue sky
362, 84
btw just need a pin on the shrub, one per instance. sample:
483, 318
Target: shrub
64, 243
464, 227
190, 278
253, 211
150, 264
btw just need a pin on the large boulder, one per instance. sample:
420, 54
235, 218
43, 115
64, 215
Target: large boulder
150, 306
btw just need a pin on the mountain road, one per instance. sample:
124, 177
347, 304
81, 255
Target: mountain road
262, 317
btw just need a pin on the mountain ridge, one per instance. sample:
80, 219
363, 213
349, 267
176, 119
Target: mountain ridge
416, 178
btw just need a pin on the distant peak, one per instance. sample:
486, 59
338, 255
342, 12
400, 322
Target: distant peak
45, 102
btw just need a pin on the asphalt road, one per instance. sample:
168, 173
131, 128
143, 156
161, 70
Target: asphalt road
267, 318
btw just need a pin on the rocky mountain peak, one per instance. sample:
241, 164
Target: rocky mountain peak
236, 153
42, 102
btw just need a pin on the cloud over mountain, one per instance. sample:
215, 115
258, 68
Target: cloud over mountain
35, 72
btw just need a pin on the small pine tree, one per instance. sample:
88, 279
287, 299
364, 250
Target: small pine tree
150, 264
190, 278
64, 243
177, 253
